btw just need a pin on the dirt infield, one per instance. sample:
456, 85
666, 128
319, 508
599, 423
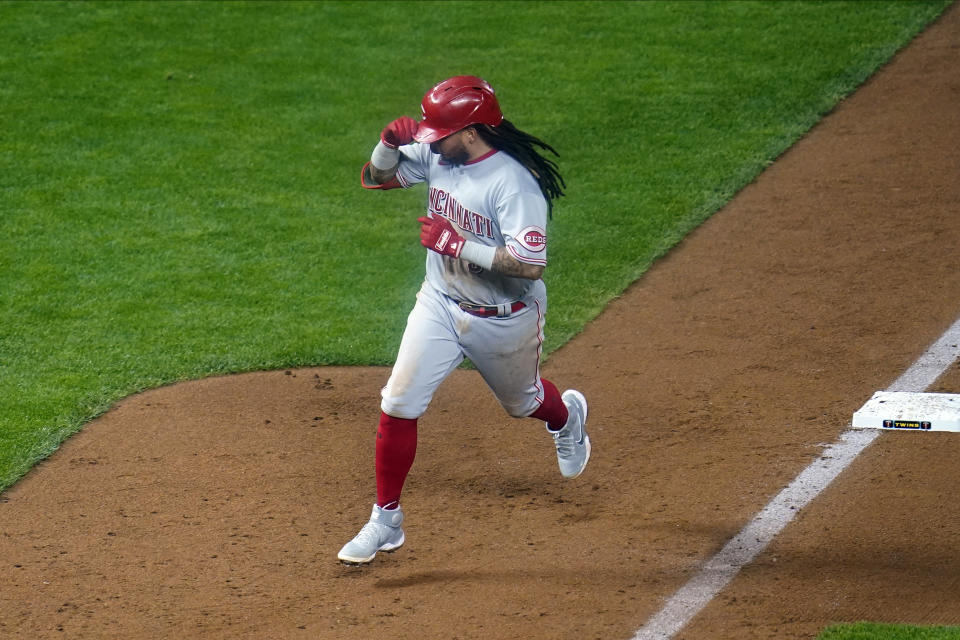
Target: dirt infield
215, 509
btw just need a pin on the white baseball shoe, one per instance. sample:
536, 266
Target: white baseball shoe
573, 443
381, 533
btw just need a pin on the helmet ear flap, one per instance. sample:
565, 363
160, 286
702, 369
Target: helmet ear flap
456, 103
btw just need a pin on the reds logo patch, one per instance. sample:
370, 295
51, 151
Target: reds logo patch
533, 239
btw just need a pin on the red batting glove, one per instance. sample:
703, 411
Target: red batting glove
437, 234
399, 132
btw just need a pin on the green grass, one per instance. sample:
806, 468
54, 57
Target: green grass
868, 631
180, 180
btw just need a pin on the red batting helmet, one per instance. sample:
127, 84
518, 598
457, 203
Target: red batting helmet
457, 103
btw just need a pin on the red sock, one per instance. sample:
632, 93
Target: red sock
395, 451
552, 411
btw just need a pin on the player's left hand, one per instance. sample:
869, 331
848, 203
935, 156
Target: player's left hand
437, 234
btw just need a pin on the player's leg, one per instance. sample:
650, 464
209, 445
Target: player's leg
428, 353
507, 353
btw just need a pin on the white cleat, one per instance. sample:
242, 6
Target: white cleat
381, 533
573, 443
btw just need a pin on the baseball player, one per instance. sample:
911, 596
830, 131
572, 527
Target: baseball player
489, 194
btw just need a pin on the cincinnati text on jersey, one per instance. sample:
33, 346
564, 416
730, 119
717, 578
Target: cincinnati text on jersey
443, 204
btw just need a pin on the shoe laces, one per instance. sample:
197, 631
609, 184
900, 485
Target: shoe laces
370, 533
565, 441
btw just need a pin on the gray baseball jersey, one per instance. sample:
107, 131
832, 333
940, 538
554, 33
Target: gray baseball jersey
493, 200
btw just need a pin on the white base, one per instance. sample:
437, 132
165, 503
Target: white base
903, 410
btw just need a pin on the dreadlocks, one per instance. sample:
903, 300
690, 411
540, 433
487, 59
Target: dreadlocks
520, 145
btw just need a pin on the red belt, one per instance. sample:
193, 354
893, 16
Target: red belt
500, 311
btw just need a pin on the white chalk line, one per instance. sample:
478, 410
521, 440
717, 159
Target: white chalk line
779, 512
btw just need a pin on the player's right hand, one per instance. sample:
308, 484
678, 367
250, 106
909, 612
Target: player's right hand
399, 132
